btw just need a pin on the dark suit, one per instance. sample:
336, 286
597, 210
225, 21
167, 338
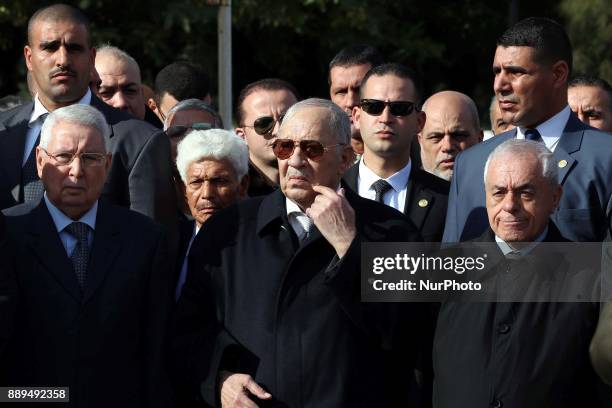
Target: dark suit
585, 172
429, 218
140, 176
257, 302
527, 354
8, 292
105, 342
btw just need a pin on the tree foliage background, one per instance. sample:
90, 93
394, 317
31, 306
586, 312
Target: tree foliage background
449, 43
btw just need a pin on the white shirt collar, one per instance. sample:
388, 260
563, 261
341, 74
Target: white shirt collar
61, 220
398, 180
39, 108
550, 130
506, 248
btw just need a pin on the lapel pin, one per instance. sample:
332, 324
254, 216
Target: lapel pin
423, 203
562, 163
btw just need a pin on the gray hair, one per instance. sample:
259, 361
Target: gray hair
518, 147
338, 121
194, 104
78, 114
118, 54
216, 144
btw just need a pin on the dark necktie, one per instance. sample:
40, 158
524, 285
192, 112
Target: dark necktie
32, 186
380, 187
80, 255
533, 134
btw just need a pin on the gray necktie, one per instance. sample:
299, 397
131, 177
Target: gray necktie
308, 225
30, 183
533, 134
80, 255
380, 187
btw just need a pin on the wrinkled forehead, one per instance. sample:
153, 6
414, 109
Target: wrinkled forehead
70, 135
308, 123
515, 169
190, 116
49, 29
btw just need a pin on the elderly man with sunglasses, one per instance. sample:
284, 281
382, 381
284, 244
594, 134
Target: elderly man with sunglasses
260, 109
270, 314
389, 119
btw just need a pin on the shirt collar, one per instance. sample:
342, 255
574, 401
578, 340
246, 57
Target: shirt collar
61, 220
551, 129
398, 180
506, 248
39, 108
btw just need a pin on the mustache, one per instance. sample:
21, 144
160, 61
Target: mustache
205, 204
61, 70
446, 157
508, 98
293, 172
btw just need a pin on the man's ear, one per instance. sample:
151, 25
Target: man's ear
240, 132
356, 114
152, 105
39, 162
27, 54
421, 118
244, 186
557, 193
560, 71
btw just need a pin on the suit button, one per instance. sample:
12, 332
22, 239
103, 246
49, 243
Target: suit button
503, 328
496, 404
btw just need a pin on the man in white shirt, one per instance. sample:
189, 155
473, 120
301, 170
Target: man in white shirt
389, 119
532, 64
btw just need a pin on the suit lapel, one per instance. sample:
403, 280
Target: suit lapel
418, 200
106, 245
106, 111
12, 144
46, 245
568, 144
351, 175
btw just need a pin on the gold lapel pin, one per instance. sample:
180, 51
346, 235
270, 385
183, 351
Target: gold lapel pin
562, 163
423, 203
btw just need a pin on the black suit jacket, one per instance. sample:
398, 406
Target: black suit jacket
426, 200
257, 302
140, 176
105, 342
8, 292
528, 354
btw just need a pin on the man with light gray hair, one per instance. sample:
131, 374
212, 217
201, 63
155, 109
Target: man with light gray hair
77, 254
477, 344
213, 165
273, 285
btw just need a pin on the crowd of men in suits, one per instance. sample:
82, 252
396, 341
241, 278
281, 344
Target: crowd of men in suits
152, 258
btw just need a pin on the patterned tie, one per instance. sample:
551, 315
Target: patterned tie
533, 134
30, 183
307, 224
380, 187
80, 255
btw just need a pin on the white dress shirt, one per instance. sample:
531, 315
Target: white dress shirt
551, 130
61, 221
396, 196
507, 248
35, 123
298, 220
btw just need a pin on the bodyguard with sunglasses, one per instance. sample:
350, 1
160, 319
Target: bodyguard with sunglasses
389, 118
260, 109
272, 296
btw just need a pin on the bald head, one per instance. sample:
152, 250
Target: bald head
451, 126
120, 84
55, 13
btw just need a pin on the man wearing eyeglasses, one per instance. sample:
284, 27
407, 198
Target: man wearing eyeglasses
260, 108
272, 296
389, 119
94, 277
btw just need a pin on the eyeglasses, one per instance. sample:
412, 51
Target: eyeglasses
177, 131
283, 148
87, 159
375, 107
264, 124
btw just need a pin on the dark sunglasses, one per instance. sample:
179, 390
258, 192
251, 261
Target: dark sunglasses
179, 130
264, 125
397, 108
283, 148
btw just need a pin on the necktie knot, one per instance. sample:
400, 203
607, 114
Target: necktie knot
79, 230
533, 134
380, 187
